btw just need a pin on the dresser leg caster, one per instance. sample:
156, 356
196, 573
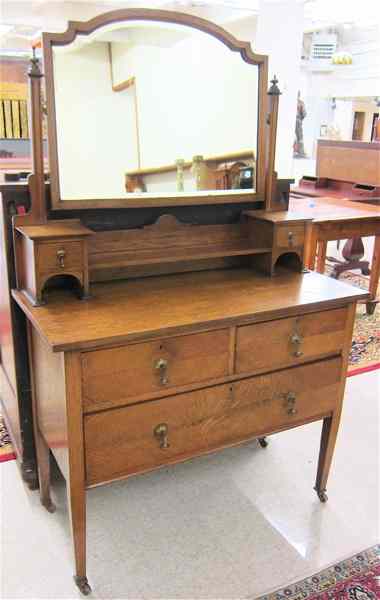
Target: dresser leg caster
49, 505
322, 495
263, 442
82, 583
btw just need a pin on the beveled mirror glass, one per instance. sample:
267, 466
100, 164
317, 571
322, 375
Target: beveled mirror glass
142, 108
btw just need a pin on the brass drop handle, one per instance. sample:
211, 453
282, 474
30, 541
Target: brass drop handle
290, 238
162, 367
161, 433
61, 258
290, 400
296, 340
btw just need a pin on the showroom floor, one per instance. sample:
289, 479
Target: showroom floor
231, 525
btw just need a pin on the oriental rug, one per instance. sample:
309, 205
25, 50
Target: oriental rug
365, 350
6, 448
356, 578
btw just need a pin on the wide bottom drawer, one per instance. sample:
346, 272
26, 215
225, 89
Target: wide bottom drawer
137, 438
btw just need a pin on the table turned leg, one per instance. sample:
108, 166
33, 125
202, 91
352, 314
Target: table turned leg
311, 244
321, 256
374, 277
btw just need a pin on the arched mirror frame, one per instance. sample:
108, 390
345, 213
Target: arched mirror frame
49, 40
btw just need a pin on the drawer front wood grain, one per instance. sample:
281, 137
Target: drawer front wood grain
288, 236
48, 256
296, 395
132, 439
117, 376
275, 344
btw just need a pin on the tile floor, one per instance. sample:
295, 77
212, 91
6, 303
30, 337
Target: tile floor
231, 525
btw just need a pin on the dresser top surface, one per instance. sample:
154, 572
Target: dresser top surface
134, 310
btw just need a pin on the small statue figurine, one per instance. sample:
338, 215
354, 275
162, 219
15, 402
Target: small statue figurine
298, 148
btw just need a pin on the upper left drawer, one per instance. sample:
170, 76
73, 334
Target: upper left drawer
118, 376
58, 256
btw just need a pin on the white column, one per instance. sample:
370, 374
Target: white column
280, 34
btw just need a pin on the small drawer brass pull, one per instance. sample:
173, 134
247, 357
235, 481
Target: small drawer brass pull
296, 340
161, 433
290, 400
290, 238
61, 258
162, 367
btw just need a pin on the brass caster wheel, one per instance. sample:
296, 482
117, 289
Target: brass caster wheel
49, 505
263, 442
82, 583
322, 495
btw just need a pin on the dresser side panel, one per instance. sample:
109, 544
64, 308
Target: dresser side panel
50, 398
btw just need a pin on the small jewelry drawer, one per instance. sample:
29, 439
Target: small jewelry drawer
59, 256
285, 342
145, 436
289, 235
117, 376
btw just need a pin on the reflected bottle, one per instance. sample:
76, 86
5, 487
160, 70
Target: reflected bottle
180, 180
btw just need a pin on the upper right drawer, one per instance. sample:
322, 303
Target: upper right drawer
275, 344
289, 235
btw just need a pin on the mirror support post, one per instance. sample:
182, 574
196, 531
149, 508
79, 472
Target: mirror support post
36, 180
271, 201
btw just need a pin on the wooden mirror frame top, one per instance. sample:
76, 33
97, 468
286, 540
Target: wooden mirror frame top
87, 27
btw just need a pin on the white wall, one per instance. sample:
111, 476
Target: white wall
96, 132
279, 34
196, 97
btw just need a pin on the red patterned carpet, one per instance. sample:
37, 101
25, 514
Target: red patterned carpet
6, 449
356, 578
365, 352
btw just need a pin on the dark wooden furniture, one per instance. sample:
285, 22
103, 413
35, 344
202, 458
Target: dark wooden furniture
15, 389
209, 353
333, 219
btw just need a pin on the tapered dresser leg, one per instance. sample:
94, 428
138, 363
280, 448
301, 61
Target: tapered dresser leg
328, 439
76, 481
43, 460
77, 507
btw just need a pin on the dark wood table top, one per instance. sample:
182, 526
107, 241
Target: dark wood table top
157, 306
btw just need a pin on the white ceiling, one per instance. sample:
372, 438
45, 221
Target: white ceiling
22, 21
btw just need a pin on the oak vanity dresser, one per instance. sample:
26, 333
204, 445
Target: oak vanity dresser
164, 325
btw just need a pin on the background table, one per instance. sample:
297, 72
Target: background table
339, 219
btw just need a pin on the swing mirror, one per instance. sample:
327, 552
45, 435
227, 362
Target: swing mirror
147, 107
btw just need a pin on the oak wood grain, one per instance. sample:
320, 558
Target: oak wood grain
126, 311
201, 421
118, 375
269, 345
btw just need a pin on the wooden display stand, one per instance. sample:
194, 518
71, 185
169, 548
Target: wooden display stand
156, 370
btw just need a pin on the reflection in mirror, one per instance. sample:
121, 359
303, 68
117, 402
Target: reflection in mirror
153, 108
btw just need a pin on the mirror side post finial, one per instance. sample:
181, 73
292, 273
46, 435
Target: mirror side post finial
36, 180
271, 202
